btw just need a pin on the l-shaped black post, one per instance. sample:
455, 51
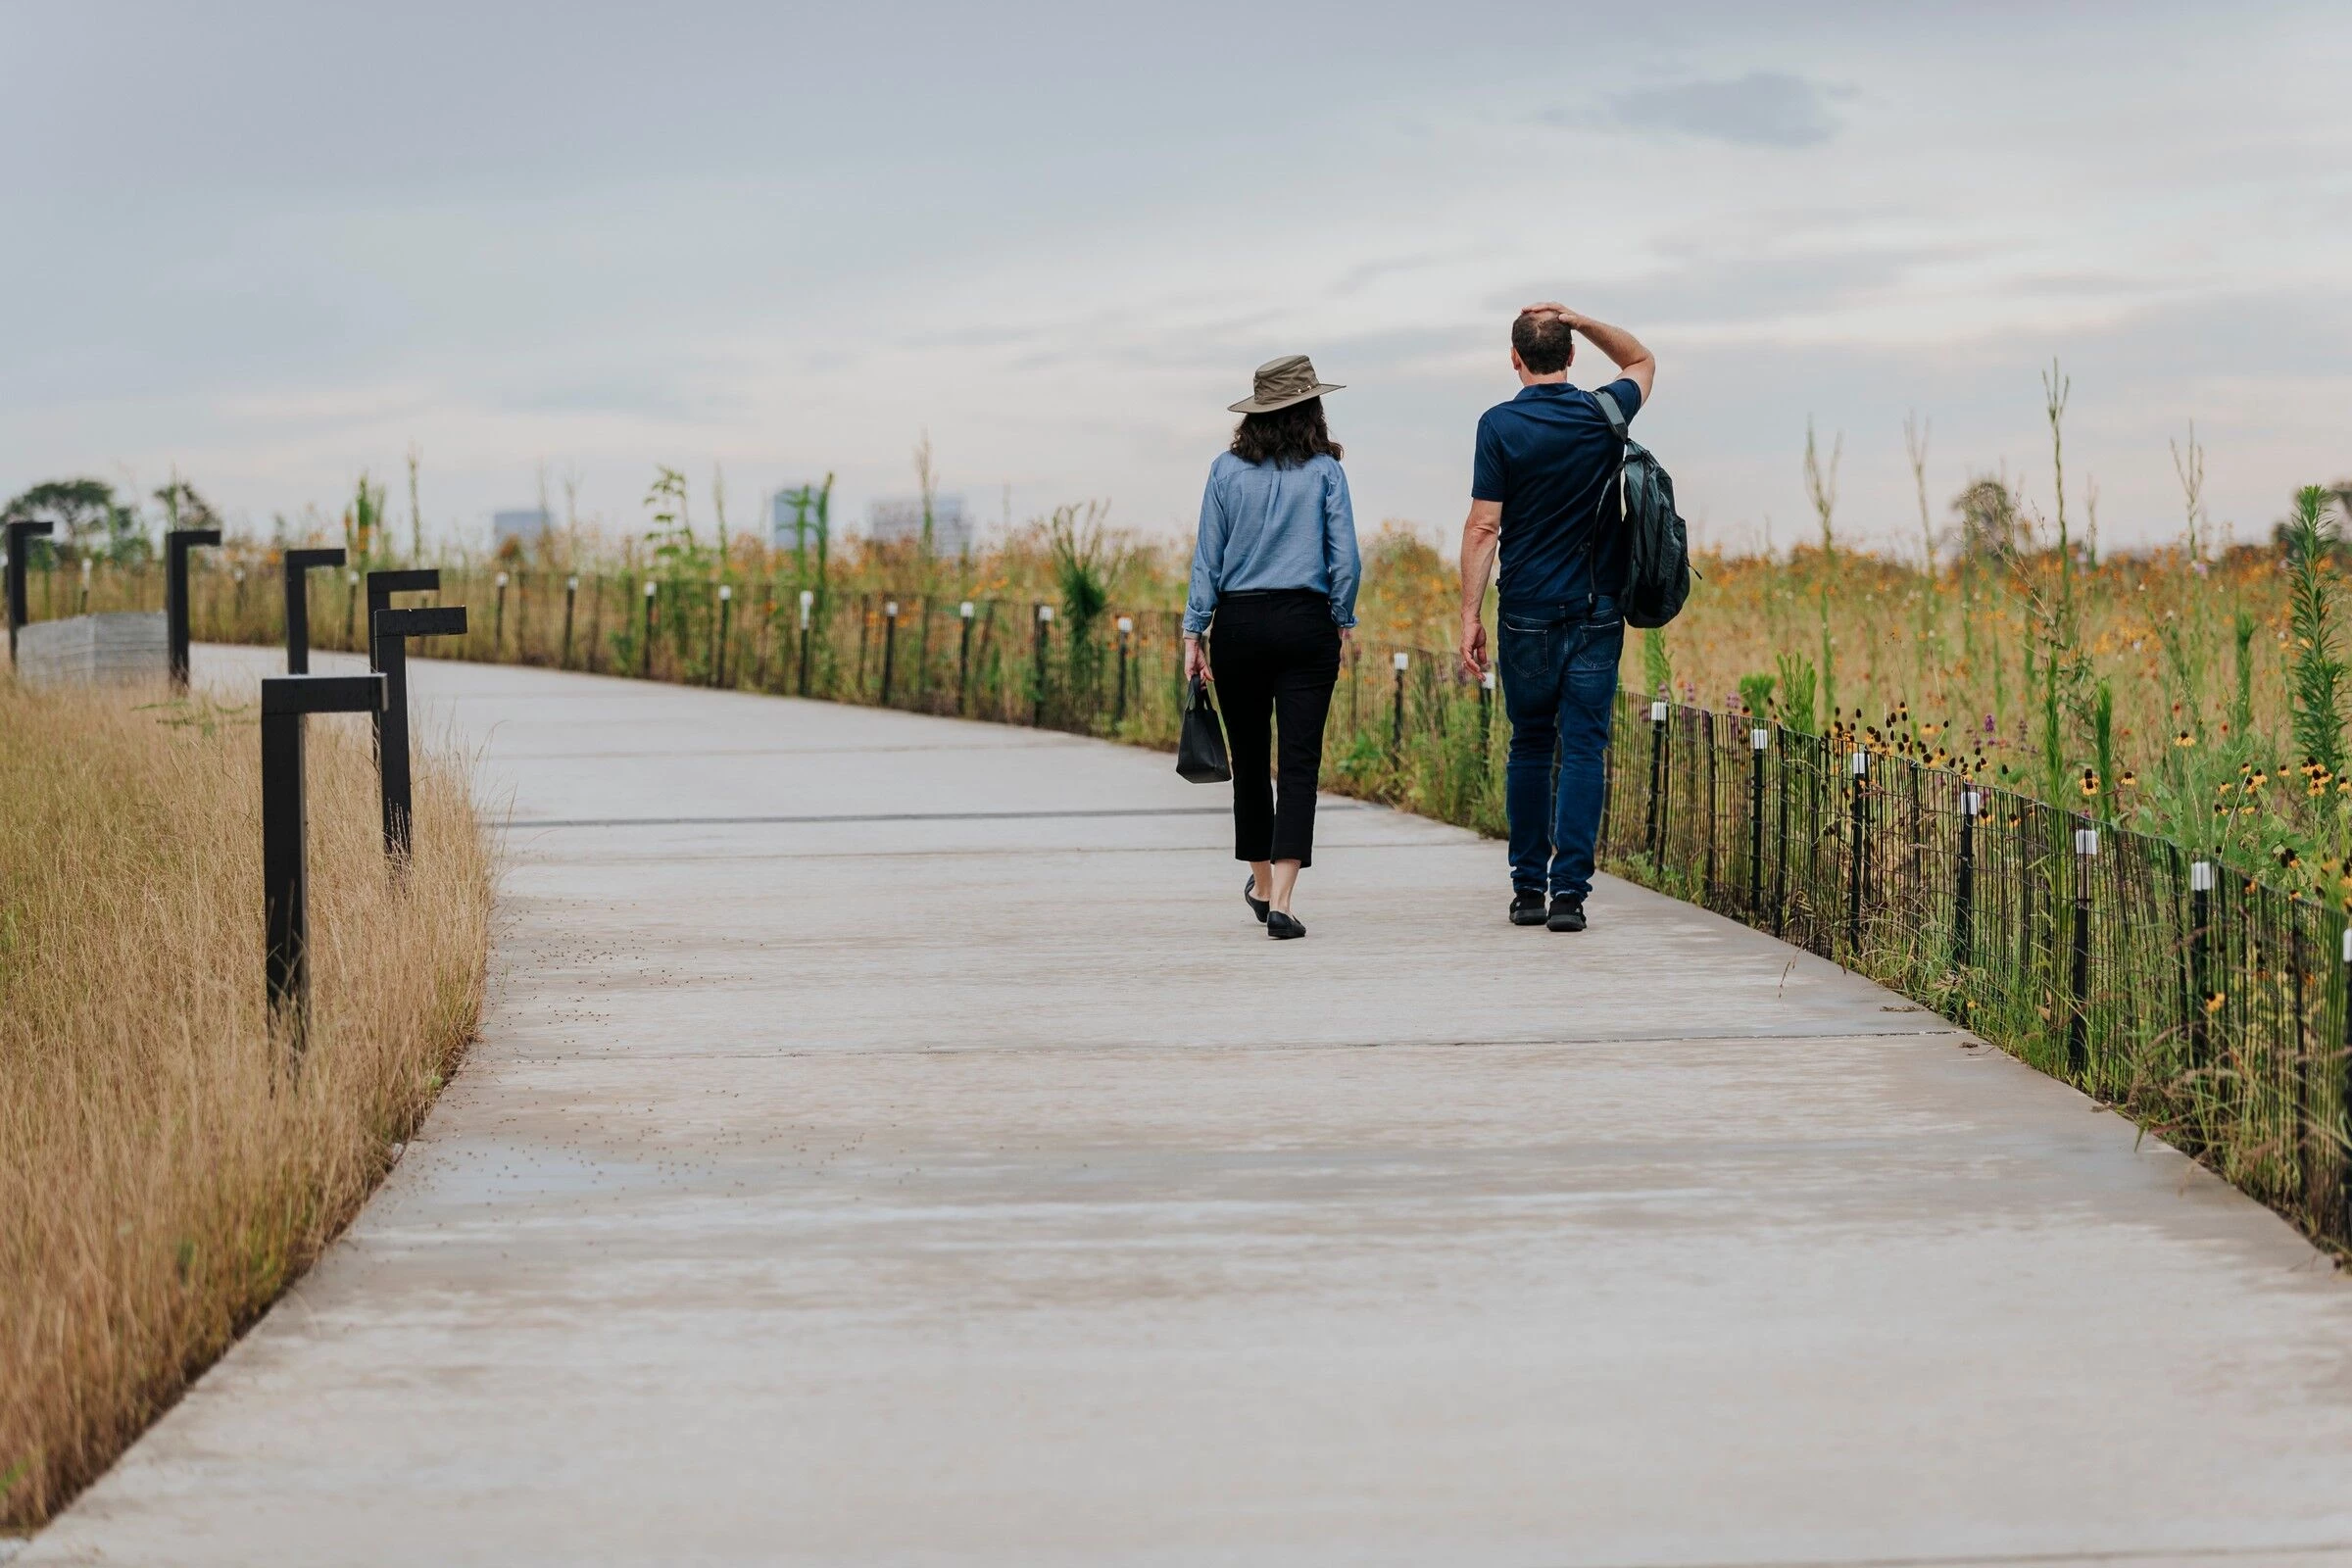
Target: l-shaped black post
286, 701
178, 542
299, 564
381, 586
388, 634
19, 605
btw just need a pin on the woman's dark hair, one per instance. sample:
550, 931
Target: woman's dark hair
1287, 437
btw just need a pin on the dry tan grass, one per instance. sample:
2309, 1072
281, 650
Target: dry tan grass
161, 1176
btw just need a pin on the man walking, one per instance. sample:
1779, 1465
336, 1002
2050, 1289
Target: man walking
1544, 488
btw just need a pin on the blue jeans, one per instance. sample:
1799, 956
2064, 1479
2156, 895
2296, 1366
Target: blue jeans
1559, 687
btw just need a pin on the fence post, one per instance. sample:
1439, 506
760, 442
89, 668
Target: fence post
389, 635
1657, 767
2078, 1016
726, 621
1780, 848
1118, 712
1964, 884
287, 699
571, 597
2343, 1101
644, 653
2200, 936
808, 603
890, 646
1036, 690
1860, 764
351, 612
1401, 663
19, 606
964, 657
298, 565
381, 586
1758, 738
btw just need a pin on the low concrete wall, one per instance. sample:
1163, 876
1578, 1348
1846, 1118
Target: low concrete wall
84, 649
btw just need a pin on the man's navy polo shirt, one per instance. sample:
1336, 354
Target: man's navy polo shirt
1548, 456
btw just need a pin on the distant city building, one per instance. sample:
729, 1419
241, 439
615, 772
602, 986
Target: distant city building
897, 521
524, 526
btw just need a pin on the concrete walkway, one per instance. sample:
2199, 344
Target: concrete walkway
891, 1142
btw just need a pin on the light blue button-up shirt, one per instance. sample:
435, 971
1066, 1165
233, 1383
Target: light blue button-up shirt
1263, 526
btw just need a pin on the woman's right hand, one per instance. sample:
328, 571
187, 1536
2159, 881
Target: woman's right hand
1196, 661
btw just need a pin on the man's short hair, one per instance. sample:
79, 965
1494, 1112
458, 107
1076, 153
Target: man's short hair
1543, 343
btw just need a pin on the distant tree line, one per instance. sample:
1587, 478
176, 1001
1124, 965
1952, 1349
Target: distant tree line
94, 524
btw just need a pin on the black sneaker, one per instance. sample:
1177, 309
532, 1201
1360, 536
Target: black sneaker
1527, 907
1567, 913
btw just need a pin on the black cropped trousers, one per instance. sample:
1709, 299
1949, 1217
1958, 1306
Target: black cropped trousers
1275, 658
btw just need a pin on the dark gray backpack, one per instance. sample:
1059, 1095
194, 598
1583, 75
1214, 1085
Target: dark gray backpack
1657, 547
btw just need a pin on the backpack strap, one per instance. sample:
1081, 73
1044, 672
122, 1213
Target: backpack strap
1611, 413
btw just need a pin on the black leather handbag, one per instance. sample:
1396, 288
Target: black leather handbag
1200, 749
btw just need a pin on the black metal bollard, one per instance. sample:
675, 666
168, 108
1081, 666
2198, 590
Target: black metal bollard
1118, 712
286, 701
1037, 685
19, 606
1400, 662
571, 597
381, 586
389, 654
890, 646
1657, 779
808, 603
298, 565
1964, 883
176, 545
1780, 849
1758, 738
497, 618
964, 658
1853, 900
351, 601
726, 616
2201, 952
85, 587
2343, 1100
2078, 1015
645, 651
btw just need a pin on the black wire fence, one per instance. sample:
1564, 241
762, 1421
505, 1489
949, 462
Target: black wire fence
2210, 1007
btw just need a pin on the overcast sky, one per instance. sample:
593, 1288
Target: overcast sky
272, 246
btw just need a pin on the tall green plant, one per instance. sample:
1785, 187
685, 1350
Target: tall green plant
1657, 664
1799, 687
2316, 672
1085, 562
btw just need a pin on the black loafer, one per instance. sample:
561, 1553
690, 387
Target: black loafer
1258, 905
1280, 927
1567, 913
1527, 907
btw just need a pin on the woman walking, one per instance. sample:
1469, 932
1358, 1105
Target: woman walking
1274, 577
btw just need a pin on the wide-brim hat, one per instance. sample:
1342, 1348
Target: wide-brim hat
1283, 382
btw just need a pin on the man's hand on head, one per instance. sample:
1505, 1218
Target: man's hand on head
1554, 308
